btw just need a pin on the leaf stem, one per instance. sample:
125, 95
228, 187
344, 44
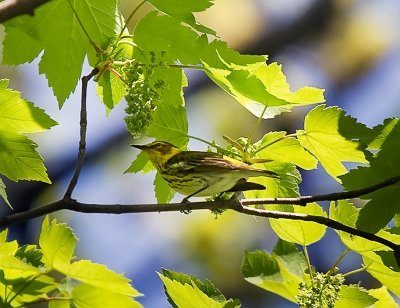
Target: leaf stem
129, 18
255, 129
275, 141
126, 62
337, 262
214, 145
358, 270
95, 46
306, 255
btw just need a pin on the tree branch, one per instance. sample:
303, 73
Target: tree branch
233, 204
342, 195
82, 140
13, 8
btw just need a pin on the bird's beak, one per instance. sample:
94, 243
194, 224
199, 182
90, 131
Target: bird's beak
138, 146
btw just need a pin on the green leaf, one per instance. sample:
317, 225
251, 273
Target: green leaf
333, 138
30, 254
385, 300
188, 291
86, 295
3, 193
354, 296
19, 115
110, 89
183, 10
260, 88
55, 29
384, 204
206, 286
140, 164
290, 258
380, 210
3, 237
59, 303
164, 193
169, 124
8, 248
298, 231
175, 80
344, 212
286, 186
13, 268
57, 242
100, 276
28, 290
380, 133
19, 159
275, 273
277, 146
167, 34
388, 277
218, 55
21, 32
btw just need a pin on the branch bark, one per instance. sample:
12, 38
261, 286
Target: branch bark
82, 140
233, 204
12, 8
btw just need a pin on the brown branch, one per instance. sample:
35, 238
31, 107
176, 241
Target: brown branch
342, 195
238, 206
82, 140
12, 8
73, 205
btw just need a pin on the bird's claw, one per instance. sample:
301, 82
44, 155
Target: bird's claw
186, 202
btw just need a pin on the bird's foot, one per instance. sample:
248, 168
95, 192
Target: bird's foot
187, 203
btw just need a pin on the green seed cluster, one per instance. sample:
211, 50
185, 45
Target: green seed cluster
143, 94
320, 292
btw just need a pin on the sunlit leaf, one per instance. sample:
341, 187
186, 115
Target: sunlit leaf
188, 291
167, 34
3, 193
100, 276
277, 146
298, 231
164, 193
57, 242
55, 29
183, 10
19, 159
354, 296
269, 272
85, 295
388, 277
385, 300
384, 204
332, 137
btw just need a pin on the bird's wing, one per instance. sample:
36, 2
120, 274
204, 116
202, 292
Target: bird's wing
197, 161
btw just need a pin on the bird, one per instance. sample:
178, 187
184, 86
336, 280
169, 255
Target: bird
198, 173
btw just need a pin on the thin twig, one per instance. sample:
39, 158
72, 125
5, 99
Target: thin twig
82, 141
320, 220
12, 8
342, 195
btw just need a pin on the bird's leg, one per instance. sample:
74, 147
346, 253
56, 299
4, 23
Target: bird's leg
186, 199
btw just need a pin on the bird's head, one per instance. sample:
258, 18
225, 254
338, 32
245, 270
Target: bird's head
158, 151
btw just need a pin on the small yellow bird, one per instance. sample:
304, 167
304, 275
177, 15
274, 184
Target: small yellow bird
196, 173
